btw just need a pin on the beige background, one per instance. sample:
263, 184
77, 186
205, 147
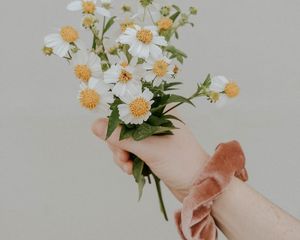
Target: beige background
57, 181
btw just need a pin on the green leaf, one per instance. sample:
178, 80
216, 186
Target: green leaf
179, 99
176, 51
157, 121
173, 117
176, 8
108, 25
113, 122
175, 16
138, 167
126, 132
207, 81
145, 130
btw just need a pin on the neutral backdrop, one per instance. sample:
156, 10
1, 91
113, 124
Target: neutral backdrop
58, 181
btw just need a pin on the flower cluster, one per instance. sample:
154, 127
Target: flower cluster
129, 71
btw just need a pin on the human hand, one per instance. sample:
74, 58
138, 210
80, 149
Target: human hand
175, 159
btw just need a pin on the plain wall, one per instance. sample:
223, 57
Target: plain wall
57, 181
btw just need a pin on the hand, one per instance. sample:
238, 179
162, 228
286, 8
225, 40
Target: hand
176, 159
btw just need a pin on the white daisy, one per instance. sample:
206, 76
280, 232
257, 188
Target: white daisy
143, 42
86, 65
95, 96
90, 7
124, 78
136, 108
158, 69
62, 42
221, 84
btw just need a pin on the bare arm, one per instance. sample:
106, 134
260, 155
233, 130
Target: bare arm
242, 213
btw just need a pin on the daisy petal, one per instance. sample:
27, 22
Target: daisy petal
74, 6
104, 12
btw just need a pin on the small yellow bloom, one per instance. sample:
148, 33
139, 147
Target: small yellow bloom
232, 90
165, 24
69, 34
214, 96
88, 21
126, 24
47, 51
89, 99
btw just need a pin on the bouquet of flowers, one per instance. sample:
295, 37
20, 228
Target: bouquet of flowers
129, 70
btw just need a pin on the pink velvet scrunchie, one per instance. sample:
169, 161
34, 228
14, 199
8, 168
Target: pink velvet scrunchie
194, 221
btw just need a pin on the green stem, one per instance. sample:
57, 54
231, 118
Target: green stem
160, 197
202, 91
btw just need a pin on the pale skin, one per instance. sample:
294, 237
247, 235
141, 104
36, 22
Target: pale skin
240, 212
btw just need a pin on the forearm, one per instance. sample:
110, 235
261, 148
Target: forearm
242, 213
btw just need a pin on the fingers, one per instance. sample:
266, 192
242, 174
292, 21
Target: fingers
122, 159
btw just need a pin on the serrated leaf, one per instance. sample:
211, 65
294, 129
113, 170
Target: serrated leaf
113, 122
126, 132
143, 131
108, 25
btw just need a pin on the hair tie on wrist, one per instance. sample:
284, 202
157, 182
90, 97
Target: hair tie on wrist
194, 221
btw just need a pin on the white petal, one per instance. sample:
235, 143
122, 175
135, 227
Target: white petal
128, 97
218, 83
93, 82
145, 51
62, 50
52, 40
102, 11
147, 94
130, 31
157, 81
155, 51
150, 77
151, 28
74, 6
125, 39
161, 41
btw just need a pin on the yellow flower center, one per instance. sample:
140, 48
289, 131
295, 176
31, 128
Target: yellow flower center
139, 107
89, 98
125, 76
126, 24
145, 36
88, 7
214, 96
232, 90
88, 22
165, 24
69, 34
83, 72
124, 64
160, 68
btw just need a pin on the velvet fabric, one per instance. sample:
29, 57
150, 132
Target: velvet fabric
194, 221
